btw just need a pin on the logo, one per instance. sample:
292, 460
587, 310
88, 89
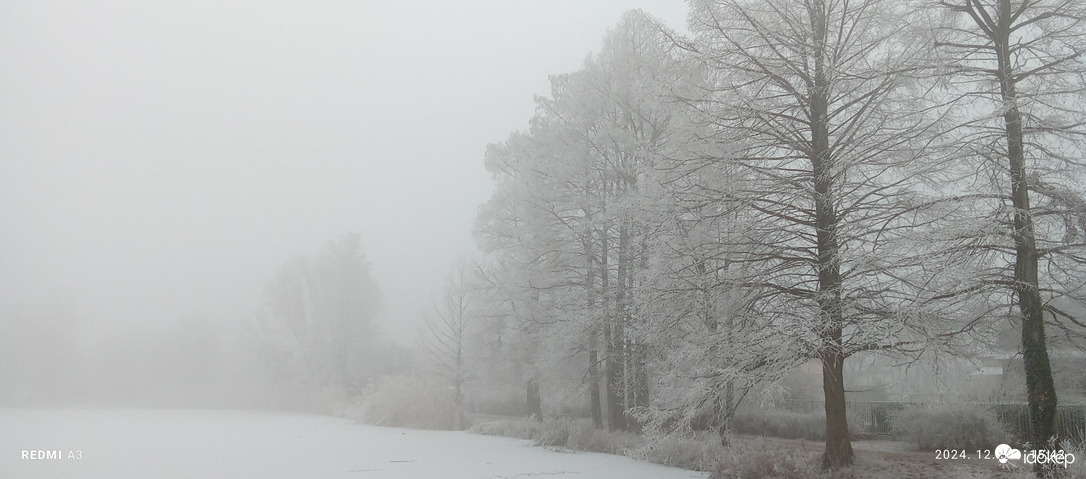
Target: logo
1006, 453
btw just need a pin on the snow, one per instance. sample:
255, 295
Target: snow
118, 443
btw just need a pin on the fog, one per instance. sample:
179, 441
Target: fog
672, 230
160, 162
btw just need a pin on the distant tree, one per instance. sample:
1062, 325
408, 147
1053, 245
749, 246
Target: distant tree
317, 326
447, 330
566, 216
190, 350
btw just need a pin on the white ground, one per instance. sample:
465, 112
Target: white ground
164, 444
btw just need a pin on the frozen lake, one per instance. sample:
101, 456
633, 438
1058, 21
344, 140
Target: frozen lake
116, 443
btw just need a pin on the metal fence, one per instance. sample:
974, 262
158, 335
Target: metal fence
1070, 420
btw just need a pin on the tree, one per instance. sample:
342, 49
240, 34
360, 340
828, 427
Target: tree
515, 232
447, 332
1019, 69
317, 327
816, 104
566, 209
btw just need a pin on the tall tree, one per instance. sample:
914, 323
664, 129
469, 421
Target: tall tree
447, 329
1019, 68
816, 103
576, 173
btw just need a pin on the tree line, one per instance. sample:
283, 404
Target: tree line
688, 217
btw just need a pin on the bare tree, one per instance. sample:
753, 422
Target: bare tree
447, 332
572, 184
816, 103
317, 327
1019, 69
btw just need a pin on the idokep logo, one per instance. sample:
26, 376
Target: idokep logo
1005, 453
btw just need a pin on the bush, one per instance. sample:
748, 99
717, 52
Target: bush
688, 452
756, 460
495, 403
584, 437
554, 433
518, 428
693, 452
948, 426
786, 424
571, 433
406, 401
1076, 470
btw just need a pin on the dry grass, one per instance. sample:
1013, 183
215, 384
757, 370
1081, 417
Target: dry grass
799, 459
405, 401
755, 457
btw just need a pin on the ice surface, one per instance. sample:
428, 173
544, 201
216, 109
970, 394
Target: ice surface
122, 443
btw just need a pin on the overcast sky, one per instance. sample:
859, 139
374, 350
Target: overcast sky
162, 160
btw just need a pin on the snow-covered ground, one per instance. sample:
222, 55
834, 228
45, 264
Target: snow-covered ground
123, 443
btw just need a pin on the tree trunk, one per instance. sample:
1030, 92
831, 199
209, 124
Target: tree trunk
622, 374
641, 376
838, 444
593, 333
1040, 390
535, 403
612, 369
724, 414
594, 383
639, 382
612, 375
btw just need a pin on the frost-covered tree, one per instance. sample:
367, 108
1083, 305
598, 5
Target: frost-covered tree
570, 188
515, 233
447, 329
818, 110
317, 326
1018, 68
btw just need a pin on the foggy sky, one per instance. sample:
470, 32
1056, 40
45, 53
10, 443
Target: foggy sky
161, 160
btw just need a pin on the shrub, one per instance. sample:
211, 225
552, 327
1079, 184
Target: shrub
693, 452
584, 437
786, 424
946, 426
554, 433
571, 433
406, 401
1076, 470
518, 428
495, 402
756, 460
688, 452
